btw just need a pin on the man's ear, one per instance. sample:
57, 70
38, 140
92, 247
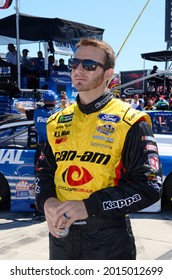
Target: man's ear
109, 74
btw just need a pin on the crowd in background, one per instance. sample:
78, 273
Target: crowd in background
35, 67
146, 103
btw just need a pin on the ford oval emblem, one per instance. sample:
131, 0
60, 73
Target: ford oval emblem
109, 118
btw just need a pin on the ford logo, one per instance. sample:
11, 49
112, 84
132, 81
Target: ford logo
109, 118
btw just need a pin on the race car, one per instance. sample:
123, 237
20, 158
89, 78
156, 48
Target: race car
18, 139
162, 128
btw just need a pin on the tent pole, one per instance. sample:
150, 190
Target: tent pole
45, 44
132, 28
18, 44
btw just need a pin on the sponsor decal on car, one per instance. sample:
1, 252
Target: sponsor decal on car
11, 156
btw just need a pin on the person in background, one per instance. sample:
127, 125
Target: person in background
123, 97
25, 61
42, 114
45, 108
39, 63
100, 163
154, 69
11, 58
149, 105
162, 104
170, 102
140, 107
11, 55
135, 101
160, 80
64, 102
29, 65
62, 66
51, 64
40, 59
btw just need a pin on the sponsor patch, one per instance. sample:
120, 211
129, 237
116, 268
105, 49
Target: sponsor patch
148, 138
22, 185
109, 118
130, 118
61, 140
107, 139
37, 187
61, 133
151, 176
151, 147
76, 176
108, 205
100, 145
153, 161
106, 129
42, 156
22, 193
155, 186
65, 118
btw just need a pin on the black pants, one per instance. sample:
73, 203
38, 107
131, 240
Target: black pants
94, 242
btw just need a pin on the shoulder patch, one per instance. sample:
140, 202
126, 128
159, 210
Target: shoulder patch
131, 116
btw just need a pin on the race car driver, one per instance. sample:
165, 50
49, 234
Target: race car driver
100, 163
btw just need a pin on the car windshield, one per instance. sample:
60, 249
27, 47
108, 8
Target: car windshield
19, 135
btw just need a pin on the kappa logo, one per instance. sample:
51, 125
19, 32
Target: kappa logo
76, 176
107, 205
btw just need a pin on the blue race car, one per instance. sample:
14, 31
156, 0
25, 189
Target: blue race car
18, 139
162, 128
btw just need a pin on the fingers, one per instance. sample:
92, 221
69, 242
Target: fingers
69, 212
61, 229
62, 232
66, 216
63, 215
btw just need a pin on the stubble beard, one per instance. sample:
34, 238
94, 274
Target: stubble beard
91, 85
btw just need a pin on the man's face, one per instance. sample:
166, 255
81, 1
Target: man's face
10, 48
84, 80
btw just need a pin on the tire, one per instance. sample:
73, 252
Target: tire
5, 198
167, 190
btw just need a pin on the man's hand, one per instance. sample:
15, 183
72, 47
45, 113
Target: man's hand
50, 207
68, 212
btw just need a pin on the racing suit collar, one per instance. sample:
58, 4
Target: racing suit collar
96, 105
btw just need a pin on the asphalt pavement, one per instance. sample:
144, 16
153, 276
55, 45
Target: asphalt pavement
23, 238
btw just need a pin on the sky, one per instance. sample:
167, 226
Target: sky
117, 18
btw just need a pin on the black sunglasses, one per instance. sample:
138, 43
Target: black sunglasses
87, 64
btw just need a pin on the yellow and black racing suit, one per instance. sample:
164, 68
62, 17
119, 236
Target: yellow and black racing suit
105, 154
